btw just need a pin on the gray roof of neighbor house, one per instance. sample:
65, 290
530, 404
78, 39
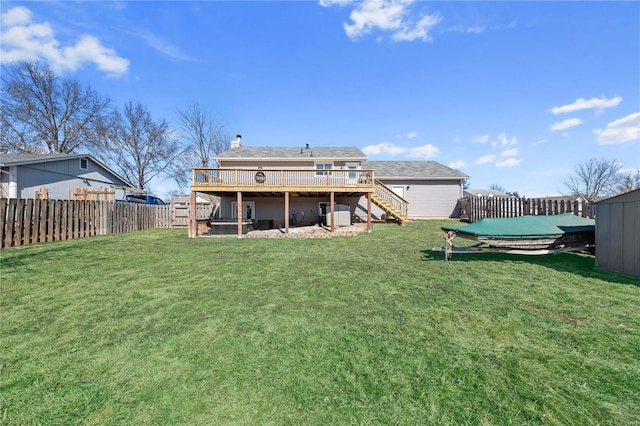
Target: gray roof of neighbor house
288, 153
413, 170
20, 159
484, 193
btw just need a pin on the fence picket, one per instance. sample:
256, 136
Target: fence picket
476, 208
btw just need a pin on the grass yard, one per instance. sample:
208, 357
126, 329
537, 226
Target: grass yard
154, 328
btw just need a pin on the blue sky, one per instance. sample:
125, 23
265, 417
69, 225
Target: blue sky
511, 93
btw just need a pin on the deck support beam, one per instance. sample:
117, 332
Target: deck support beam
193, 218
333, 217
286, 212
239, 213
368, 212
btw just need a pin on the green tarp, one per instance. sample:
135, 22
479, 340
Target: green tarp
525, 227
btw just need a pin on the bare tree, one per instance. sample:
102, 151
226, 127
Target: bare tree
594, 178
204, 140
135, 145
629, 181
43, 112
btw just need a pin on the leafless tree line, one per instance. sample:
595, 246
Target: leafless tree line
598, 178
42, 112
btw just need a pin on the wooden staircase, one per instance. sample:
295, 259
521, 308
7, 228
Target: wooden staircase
393, 204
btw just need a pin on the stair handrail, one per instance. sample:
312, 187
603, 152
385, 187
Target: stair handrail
386, 194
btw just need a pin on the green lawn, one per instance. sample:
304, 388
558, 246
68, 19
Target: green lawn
155, 328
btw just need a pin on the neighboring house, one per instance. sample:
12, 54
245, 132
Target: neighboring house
280, 186
572, 198
184, 200
618, 233
58, 176
484, 193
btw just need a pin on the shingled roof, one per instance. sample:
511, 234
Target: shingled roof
19, 159
279, 153
22, 158
413, 170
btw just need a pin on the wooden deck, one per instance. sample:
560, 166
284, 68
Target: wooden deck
293, 183
275, 182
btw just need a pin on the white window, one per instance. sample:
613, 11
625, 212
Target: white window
323, 166
84, 164
352, 166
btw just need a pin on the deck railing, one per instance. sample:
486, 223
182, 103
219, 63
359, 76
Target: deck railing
282, 178
397, 203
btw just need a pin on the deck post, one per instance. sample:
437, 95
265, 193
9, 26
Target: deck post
193, 218
333, 218
239, 213
368, 212
286, 212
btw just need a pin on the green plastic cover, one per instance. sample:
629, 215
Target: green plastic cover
526, 226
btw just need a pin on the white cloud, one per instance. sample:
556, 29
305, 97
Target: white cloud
392, 16
24, 40
503, 140
420, 31
384, 148
475, 29
411, 135
385, 15
511, 152
565, 124
480, 139
538, 142
17, 16
629, 171
457, 164
328, 3
486, 159
594, 103
619, 131
508, 162
424, 151
162, 46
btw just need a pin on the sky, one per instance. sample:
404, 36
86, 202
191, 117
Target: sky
511, 93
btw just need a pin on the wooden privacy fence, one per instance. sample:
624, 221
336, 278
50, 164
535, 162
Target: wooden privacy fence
474, 208
28, 221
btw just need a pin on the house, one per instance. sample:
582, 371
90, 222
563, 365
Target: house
185, 200
59, 177
278, 187
483, 193
567, 198
618, 233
